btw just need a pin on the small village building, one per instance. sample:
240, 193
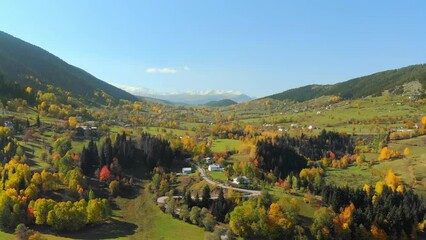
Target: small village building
186, 171
241, 180
215, 167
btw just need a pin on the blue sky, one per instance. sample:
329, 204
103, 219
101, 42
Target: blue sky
256, 47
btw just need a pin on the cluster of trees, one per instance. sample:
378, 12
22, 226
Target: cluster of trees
286, 154
219, 208
10, 90
125, 152
70, 216
20, 202
203, 211
279, 157
8, 145
368, 213
388, 153
192, 208
264, 218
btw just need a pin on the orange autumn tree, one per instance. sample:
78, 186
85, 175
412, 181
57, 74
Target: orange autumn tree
342, 221
105, 174
378, 233
424, 121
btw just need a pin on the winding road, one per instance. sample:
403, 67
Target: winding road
250, 193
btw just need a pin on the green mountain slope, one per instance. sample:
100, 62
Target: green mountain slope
375, 84
32, 66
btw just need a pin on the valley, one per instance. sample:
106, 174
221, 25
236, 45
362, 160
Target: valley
163, 139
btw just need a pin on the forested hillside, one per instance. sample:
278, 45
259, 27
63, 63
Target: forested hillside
32, 66
375, 85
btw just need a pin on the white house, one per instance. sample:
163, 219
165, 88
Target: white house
8, 124
241, 180
214, 167
208, 160
187, 170
312, 127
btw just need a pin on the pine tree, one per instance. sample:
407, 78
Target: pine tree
38, 123
205, 201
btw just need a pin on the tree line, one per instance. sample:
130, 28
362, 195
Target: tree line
125, 152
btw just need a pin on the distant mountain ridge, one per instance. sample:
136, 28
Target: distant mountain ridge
33, 66
409, 80
220, 103
190, 97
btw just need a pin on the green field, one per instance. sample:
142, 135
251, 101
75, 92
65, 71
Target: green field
224, 145
353, 176
218, 176
7, 236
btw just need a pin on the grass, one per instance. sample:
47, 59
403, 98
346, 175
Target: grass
353, 176
7, 236
237, 158
218, 176
153, 223
307, 210
224, 145
407, 168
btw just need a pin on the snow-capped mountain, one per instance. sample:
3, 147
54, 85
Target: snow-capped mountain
189, 97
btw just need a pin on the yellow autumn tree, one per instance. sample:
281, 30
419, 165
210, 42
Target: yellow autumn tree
424, 120
406, 152
29, 90
72, 121
379, 187
400, 189
385, 153
366, 188
188, 143
392, 180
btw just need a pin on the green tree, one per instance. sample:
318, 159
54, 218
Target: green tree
114, 187
249, 221
205, 198
91, 194
323, 223
194, 215
97, 211
68, 216
62, 145
65, 164
184, 213
42, 206
209, 222
9, 211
